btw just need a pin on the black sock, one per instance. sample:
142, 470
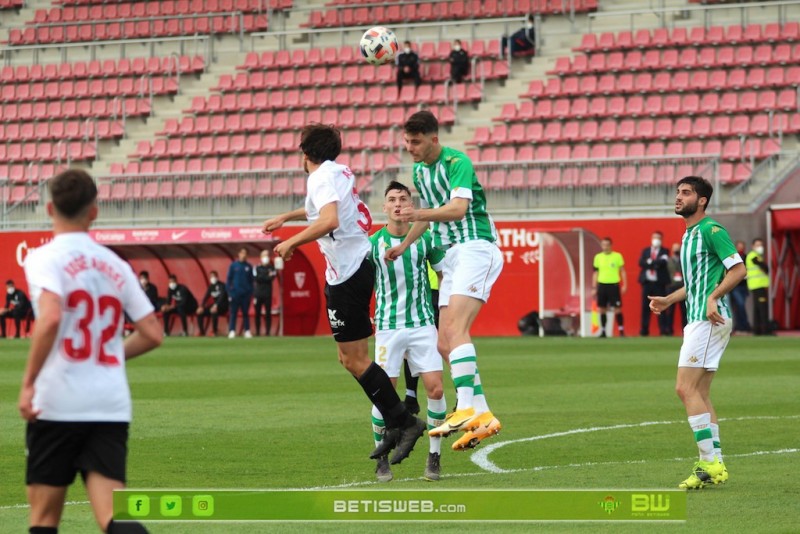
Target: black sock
376, 384
620, 323
603, 320
43, 530
411, 381
125, 527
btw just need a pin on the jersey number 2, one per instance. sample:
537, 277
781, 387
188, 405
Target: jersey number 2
86, 347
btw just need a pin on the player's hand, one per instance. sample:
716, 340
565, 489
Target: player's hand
214, 308
623, 289
199, 311
658, 304
712, 313
270, 225
25, 405
594, 291
393, 253
408, 214
284, 250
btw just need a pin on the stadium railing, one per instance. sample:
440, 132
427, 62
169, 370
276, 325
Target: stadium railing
707, 11
196, 45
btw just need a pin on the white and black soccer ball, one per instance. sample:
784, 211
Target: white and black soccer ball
379, 45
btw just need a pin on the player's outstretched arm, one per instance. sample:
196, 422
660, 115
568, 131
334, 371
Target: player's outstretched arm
328, 222
415, 233
45, 332
270, 225
659, 304
147, 335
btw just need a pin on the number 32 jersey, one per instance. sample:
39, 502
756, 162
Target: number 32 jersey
346, 247
83, 377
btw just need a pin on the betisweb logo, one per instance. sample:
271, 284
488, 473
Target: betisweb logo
609, 504
335, 323
649, 505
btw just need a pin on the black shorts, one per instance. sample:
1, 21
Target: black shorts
608, 296
348, 305
57, 450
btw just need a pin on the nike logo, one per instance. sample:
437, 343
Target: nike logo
178, 235
374, 393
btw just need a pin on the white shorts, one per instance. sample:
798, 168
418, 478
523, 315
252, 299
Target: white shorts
417, 345
470, 269
704, 343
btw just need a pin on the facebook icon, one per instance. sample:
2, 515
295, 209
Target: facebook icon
138, 505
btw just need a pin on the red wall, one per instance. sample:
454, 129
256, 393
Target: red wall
514, 295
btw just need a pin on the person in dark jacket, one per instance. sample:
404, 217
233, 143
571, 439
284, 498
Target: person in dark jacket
18, 307
654, 279
149, 289
739, 294
265, 274
407, 66
215, 303
180, 302
459, 62
523, 41
240, 293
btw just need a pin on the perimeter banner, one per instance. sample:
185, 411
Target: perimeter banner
400, 505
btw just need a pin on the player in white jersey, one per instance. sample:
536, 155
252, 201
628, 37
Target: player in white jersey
74, 392
711, 269
340, 223
404, 320
455, 206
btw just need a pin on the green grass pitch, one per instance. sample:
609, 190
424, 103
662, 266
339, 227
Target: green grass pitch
282, 413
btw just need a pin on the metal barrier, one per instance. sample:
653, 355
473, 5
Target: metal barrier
202, 46
706, 11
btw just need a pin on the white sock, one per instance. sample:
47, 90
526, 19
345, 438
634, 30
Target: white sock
437, 410
715, 437
462, 369
411, 393
378, 426
479, 399
701, 425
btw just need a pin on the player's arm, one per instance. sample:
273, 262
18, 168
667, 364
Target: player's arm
270, 225
415, 233
659, 304
623, 278
147, 335
44, 335
594, 281
328, 222
452, 211
732, 277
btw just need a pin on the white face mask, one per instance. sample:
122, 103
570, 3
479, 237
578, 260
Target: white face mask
529, 25
10, 290
265, 260
759, 250
406, 50
173, 285
656, 243
457, 48
213, 279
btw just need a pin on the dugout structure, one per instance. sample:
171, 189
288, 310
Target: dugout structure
565, 277
783, 254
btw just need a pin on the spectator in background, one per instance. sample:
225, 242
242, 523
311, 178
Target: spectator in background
758, 284
407, 66
459, 62
240, 293
739, 298
265, 275
180, 302
149, 289
654, 278
523, 41
676, 282
215, 303
17, 306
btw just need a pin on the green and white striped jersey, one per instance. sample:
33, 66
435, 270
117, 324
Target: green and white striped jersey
402, 289
452, 176
707, 252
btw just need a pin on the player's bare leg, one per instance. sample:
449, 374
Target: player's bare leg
47, 504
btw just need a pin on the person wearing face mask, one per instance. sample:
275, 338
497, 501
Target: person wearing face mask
180, 302
215, 303
676, 282
521, 42
17, 306
240, 293
459, 62
654, 278
758, 284
739, 294
149, 289
265, 274
407, 63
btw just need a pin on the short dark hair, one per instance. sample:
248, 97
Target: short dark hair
422, 122
607, 239
173, 277
407, 42
214, 273
72, 192
145, 274
9, 282
658, 232
320, 143
756, 240
701, 186
242, 249
394, 184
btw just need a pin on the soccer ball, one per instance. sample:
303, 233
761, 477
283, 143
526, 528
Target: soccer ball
378, 45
